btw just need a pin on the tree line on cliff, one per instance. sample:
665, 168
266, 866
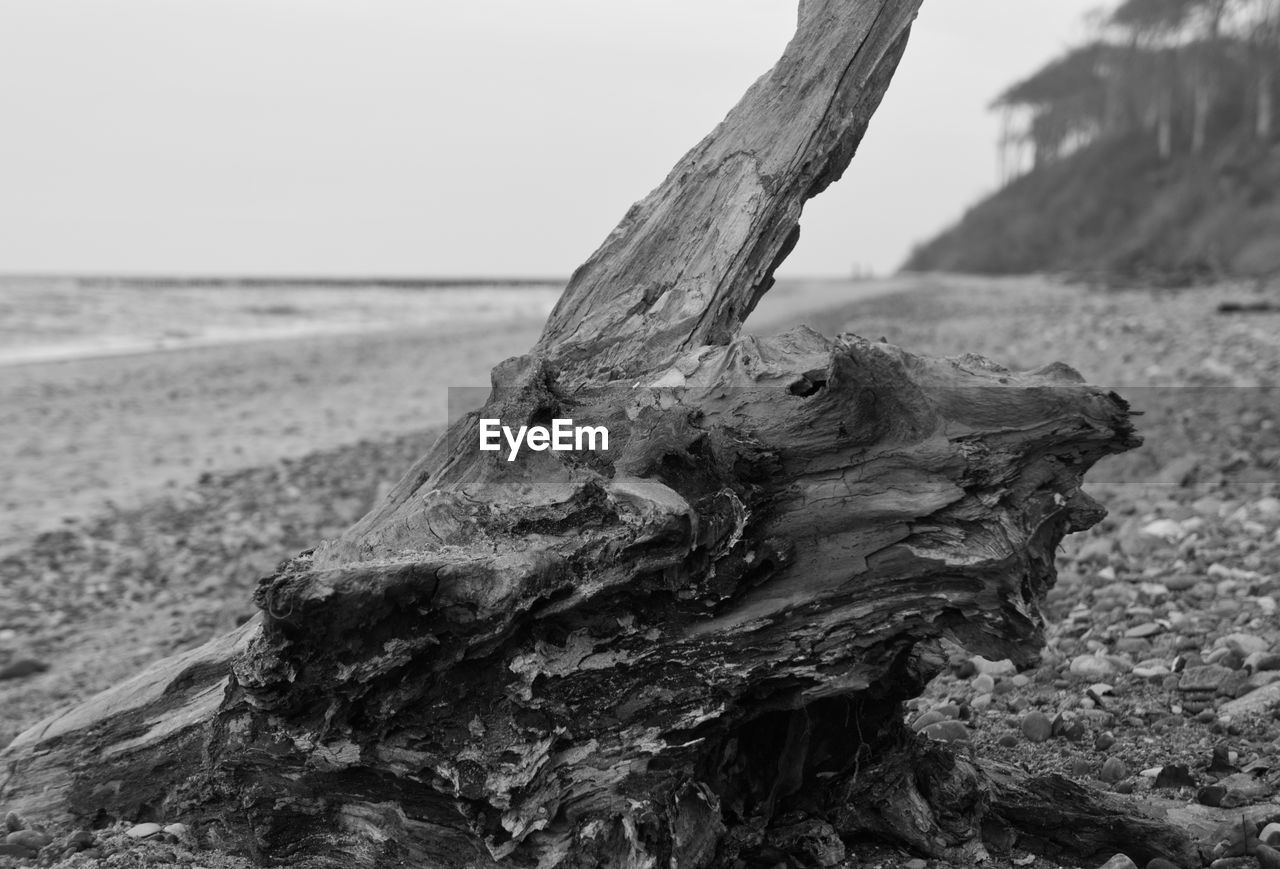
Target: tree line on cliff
1147, 151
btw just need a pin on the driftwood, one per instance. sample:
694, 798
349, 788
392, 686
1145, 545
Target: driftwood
690, 649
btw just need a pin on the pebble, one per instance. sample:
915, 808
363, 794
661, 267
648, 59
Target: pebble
80, 840
33, 839
917, 863
1037, 727
1166, 529
1207, 678
1234, 799
181, 832
1271, 834
13, 822
1258, 661
993, 668
1113, 770
1234, 863
1267, 857
1257, 701
1245, 644
1144, 630
1104, 741
947, 731
984, 683
1211, 795
1094, 666
1119, 861
1161, 863
1097, 549
1184, 582
1174, 775
143, 831
928, 718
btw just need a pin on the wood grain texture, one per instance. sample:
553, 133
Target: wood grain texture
689, 650
688, 263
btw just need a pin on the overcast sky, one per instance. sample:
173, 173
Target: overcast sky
448, 137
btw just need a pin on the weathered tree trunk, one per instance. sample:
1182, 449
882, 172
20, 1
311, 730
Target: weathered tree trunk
691, 647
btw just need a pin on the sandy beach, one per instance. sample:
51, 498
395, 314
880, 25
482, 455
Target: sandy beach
121, 413
220, 461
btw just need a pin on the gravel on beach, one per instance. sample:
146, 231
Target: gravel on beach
1160, 675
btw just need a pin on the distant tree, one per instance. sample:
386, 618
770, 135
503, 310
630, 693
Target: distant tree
1066, 100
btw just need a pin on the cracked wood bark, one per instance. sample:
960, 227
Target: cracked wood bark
689, 650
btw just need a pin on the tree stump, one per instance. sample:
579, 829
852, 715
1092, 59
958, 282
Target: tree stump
690, 649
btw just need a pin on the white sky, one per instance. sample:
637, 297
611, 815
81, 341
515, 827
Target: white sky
448, 137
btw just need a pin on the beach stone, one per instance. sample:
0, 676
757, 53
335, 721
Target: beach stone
917, 863
1097, 549
1267, 857
1270, 833
1165, 529
1207, 678
1093, 666
1144, 630
1174, 775
1037, 727
179, 831
1256, 701
1113, 770
947, 731
13, 822
993, 668
1246, 644
1220, 760
1104, 741
1119, 861
983, 683
933, 716
1211, 795
80, 840
1268, 506
1131, 646
1262, 661
1261, 679
1234, 863
1161, 863
33, 839
143, 831
1234, 799
1008, 740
